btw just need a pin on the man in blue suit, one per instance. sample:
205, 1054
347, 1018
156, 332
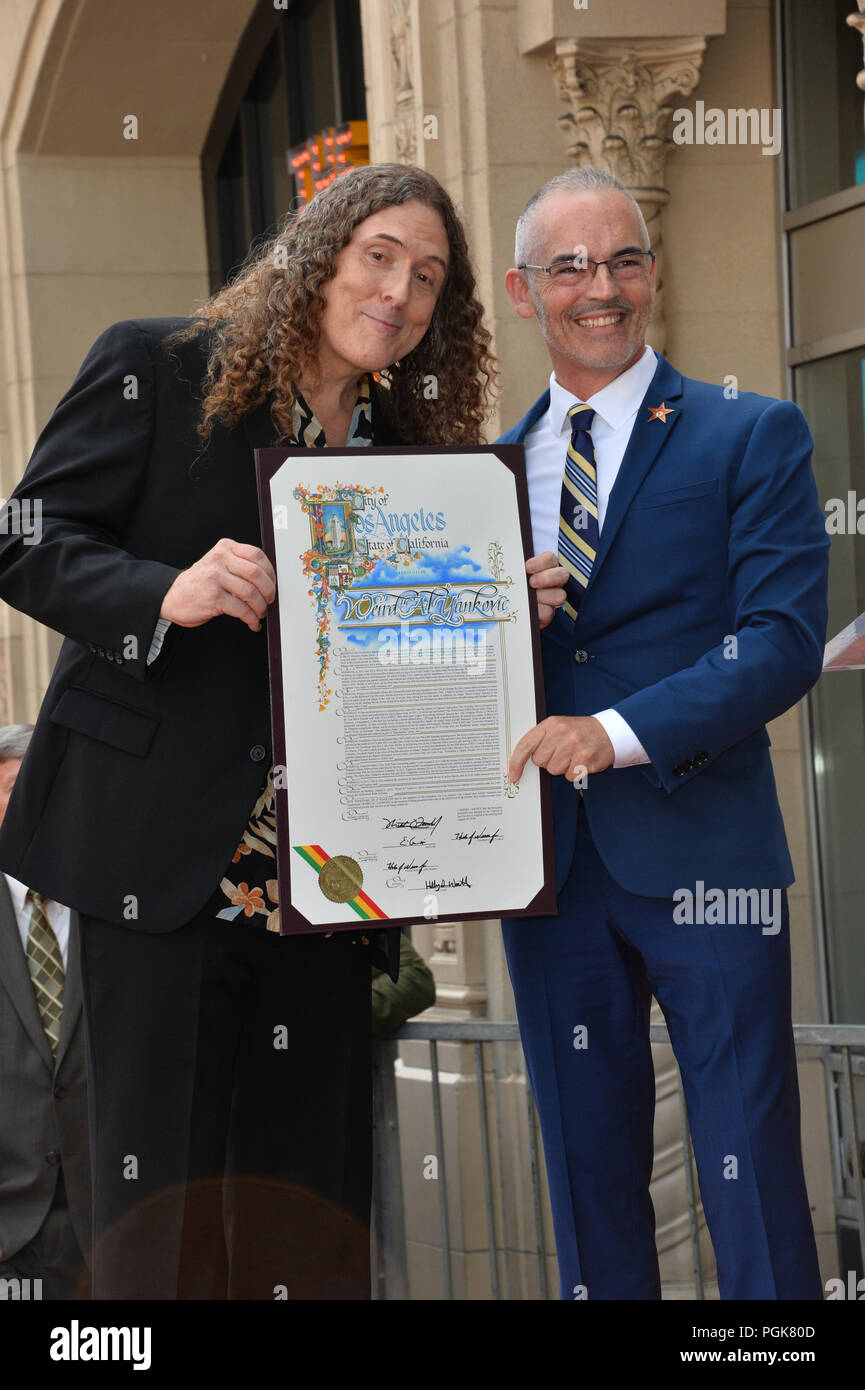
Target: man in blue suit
680, 566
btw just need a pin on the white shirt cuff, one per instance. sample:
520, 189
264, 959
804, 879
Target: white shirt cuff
162, 626
628, 750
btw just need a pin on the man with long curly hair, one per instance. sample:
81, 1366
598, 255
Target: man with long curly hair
229, 1066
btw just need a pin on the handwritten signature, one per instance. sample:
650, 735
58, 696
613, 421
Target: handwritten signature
468, 837
410, 868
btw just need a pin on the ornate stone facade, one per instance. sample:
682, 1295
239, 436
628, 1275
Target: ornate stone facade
617, 91
403, 82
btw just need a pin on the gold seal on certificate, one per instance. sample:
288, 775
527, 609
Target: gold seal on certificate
405, 661
340, 879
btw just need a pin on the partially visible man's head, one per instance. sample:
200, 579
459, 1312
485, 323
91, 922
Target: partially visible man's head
599, 325
14, 739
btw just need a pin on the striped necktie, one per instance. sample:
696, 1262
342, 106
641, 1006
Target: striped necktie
578, 511
45, 964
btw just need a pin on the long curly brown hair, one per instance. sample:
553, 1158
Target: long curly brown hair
263, 327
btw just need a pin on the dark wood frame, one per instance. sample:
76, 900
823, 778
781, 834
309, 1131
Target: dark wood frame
267, 461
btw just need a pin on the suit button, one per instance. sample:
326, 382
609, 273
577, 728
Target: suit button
53, 1158
700, 758
682, 768
581, 656
59, 1092
258, 752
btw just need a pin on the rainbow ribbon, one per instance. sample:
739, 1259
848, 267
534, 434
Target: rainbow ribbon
362, 904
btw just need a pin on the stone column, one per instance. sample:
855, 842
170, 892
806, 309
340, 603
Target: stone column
397, 47
617, 91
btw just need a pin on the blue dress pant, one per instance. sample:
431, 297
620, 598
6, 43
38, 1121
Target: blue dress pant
583, 983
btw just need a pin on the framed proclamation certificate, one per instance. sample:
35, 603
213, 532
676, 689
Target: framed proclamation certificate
404, 665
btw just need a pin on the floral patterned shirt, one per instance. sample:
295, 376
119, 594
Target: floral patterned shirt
249, 888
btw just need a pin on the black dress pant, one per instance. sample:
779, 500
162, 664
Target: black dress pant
230, 1112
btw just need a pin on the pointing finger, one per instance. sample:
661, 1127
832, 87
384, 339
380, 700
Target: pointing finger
522, 751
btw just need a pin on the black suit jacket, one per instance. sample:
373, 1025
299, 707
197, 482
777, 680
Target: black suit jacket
43, 1103
139, 779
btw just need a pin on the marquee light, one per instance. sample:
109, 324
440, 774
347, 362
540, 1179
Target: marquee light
326, 155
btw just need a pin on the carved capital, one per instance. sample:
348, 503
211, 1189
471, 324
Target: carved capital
617, 90
857, 21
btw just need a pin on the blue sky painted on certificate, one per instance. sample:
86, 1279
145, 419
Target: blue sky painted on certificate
437, 567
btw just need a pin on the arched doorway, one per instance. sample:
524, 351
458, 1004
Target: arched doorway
117, 129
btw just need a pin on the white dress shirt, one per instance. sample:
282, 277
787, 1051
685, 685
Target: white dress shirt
546, 443
57, 915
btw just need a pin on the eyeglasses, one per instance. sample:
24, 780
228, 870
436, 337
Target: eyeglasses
581, 270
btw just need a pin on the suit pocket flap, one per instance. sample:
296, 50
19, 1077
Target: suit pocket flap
677, 494
132, 730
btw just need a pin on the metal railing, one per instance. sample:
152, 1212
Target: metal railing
390, 1264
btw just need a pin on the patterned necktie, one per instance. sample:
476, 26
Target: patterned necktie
45, 964
578, 511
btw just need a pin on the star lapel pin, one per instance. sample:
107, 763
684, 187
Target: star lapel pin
660, 412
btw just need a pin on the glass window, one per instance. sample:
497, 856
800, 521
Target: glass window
823, 107
322, 66
309, 77
279, 141
232, 212
831, 392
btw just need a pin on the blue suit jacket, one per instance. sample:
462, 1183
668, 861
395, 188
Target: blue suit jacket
713, 531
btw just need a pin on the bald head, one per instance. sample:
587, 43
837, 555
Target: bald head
593, 320
598, 225
589, 181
